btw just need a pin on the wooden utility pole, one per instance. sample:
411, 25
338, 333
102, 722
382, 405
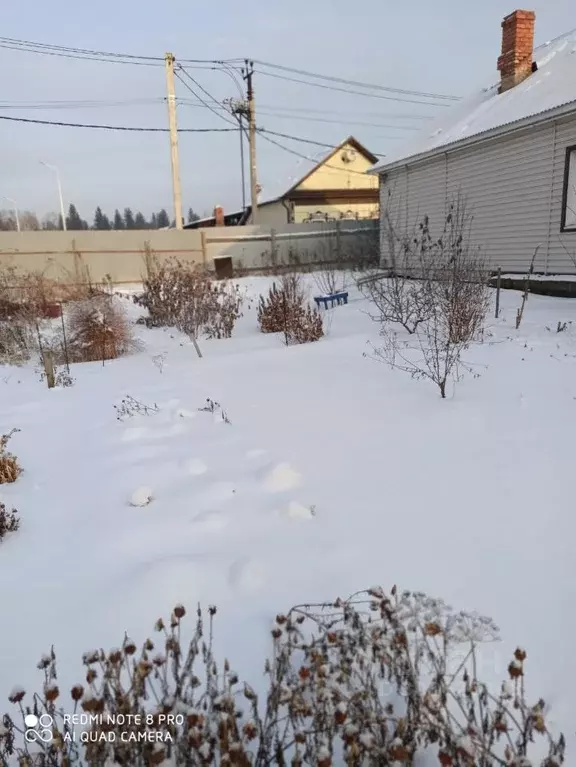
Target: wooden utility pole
252, 140
169, 61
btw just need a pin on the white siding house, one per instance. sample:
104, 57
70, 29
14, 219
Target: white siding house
509, 151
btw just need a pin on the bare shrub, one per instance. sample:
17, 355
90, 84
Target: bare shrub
9, 523
330, 278
10, 470
286, 310
186, 297
130, 406
373, 680
446, 307
99, 329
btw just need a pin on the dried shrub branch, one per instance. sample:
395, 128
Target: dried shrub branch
186, 297
443, 308
10, 469
286, 310
99, 329
377, 679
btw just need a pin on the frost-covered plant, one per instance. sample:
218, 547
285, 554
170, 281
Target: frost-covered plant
130, 406
373, 680
159, 360
216, 408
9, 521
62, 377
10, 470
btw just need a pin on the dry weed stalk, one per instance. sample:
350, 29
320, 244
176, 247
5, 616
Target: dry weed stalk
520, 310
373, 680
10, 470
286, 310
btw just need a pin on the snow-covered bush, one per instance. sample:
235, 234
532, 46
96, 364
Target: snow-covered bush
374, 680
286, 310
187, 297
10, 469
9, 521
99, 329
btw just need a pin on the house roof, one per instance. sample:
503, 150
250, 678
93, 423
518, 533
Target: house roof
552, 87
349, 141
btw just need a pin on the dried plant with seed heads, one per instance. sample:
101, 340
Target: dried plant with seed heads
373, 680
9, 522
10, 469
286, 310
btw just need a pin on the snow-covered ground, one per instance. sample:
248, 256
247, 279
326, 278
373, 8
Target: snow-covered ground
335, 473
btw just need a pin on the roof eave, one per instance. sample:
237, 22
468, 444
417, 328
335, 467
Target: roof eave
513, 127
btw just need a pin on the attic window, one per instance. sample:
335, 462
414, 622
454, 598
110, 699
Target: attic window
569, 196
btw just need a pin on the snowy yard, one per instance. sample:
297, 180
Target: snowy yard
335, 473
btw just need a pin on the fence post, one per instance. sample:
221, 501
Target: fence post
204, 249
273, 247
48, 360
338, 243
498, 286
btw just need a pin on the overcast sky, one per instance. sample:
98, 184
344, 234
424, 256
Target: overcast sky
445, 47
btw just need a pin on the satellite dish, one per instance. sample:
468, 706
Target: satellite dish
348, 155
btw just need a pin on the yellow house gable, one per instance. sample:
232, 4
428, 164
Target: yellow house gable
345, 168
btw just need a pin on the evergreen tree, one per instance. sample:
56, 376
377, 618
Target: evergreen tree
118, 220
140, 222
101, 220
192, 216
154, 221
129, 219
163, 221
73, 220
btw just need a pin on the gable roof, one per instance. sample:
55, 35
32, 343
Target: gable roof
349, 141
550, 89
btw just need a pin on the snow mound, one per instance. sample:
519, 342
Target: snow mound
142, 496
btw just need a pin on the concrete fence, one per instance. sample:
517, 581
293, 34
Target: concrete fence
121, 257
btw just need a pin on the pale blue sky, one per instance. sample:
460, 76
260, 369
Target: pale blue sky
442, 47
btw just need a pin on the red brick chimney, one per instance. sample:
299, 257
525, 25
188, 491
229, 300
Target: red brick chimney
218, 216
515, 61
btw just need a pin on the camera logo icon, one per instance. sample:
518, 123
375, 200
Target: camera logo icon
38, 728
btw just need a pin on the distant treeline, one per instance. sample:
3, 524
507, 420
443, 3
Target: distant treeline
129, 219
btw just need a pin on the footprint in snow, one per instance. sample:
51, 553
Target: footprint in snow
282, 478
210, 521
219, 492
196, 467
247, 574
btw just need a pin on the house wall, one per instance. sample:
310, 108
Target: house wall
363, 209
337, 174
99, 256
274, 214
513, 188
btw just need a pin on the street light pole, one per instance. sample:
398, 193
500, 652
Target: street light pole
57, 172
16, 216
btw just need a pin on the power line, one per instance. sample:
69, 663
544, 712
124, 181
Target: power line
347, 90
304, 140
337, 122
358, 83
310, 159
114, 127
56, 105
218, 114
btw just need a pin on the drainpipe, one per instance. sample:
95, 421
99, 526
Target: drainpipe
286, 205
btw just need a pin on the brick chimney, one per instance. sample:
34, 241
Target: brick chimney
515, 61
218, 216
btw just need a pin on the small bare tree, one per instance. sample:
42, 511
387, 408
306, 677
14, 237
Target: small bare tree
453, 298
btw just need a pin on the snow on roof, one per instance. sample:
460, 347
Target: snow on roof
553, 85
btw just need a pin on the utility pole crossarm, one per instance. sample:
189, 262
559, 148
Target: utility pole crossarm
174, 158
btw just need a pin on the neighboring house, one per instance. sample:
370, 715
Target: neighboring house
338, 187
510, 151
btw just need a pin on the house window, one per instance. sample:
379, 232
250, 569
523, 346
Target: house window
569, 196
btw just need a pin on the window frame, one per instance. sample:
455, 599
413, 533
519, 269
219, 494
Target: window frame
570, 150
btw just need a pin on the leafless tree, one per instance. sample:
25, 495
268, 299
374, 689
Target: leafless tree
451, 296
